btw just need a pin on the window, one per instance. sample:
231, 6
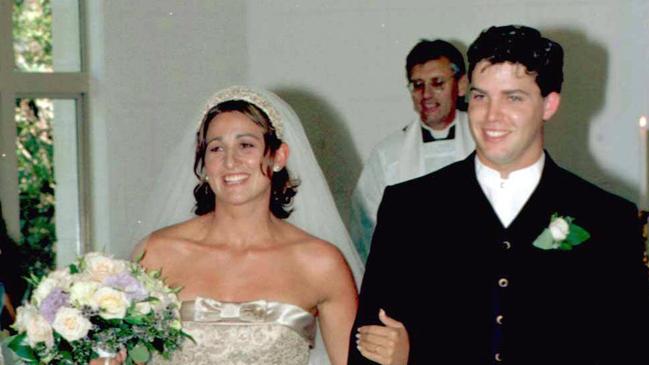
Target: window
42, 88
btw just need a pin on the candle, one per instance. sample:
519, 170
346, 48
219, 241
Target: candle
644, 163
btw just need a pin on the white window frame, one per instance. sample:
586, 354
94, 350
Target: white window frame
55, 85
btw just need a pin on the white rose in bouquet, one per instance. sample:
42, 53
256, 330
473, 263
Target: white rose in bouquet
62, 277
38, 330
82, 292
143, 308
71, 324
99, 267
23, 313
111, 303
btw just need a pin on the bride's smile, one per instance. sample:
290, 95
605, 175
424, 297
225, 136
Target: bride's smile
235, 179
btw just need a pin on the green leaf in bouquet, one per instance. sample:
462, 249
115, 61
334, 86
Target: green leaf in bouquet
66, 355
139, 353
74, 269
152, 300
156, 273
187, 335
33, 280
140, 257
138, 319
19, 346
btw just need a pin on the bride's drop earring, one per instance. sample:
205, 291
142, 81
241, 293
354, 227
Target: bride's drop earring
276, 168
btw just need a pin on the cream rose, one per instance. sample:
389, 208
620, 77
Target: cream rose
559, 229
81, 292
62, 278
111, 303
99, 267
38, 330
23, 314
143, 308
71, 324
29, 320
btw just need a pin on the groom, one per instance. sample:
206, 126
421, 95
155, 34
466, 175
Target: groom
487, 278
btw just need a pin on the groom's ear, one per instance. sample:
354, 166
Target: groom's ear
551, 105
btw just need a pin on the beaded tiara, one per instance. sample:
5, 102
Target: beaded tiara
254, 97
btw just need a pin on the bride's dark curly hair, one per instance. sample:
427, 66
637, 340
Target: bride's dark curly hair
283, 188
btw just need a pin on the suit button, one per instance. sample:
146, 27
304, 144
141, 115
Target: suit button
507, 245
498, 357
502, 282
499, 319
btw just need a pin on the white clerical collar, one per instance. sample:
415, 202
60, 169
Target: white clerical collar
442, 133
508, 196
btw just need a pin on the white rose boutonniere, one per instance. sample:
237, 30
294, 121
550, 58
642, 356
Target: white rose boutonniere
561, 234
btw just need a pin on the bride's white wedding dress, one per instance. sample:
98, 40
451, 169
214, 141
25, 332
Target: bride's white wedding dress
258, 332
280, 333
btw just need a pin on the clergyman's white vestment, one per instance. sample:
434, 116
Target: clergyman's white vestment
400, 157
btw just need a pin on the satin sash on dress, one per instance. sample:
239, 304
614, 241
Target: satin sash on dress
254, 312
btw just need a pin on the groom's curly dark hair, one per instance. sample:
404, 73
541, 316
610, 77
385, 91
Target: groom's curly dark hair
542, 57
283, 188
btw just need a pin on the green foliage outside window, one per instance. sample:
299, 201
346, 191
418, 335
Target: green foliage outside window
32, 32
36, 184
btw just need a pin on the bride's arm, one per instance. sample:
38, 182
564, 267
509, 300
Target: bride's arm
338, 308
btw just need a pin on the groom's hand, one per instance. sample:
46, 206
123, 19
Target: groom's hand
387, 345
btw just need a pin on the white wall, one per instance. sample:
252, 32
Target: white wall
153, 65
341, 65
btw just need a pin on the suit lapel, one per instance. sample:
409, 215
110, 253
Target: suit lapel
487, 219
535, 215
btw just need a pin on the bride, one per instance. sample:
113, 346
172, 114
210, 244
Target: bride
253, 283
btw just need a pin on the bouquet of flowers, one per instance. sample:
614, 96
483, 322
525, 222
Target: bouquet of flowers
95, 306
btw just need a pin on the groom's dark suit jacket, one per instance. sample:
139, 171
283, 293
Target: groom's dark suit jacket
467, 288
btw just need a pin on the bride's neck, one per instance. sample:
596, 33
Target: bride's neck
241, 225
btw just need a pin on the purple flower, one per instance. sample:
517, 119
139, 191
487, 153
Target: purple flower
128, 284
52, 302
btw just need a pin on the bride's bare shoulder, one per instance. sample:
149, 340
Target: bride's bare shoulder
165, 241
317, 254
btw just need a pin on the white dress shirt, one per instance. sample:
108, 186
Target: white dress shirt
508, 196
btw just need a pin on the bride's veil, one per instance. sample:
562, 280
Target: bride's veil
314, 210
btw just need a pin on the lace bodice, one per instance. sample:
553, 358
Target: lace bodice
257, 332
